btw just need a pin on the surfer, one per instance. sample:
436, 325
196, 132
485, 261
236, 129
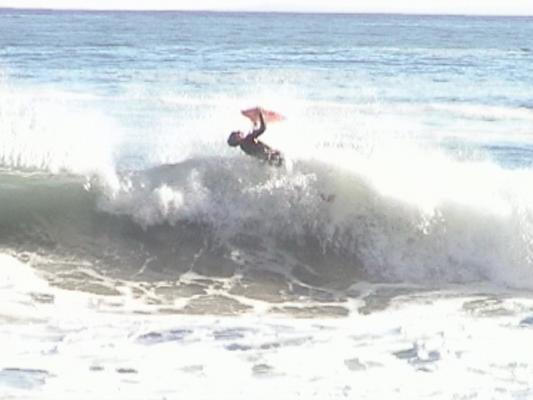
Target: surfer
255, 148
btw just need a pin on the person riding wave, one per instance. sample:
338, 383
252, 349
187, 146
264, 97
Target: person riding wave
255, 148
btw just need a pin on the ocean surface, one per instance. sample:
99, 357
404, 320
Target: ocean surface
391, 257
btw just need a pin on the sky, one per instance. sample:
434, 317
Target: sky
480, 7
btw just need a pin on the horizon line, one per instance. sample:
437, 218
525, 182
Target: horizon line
251, 11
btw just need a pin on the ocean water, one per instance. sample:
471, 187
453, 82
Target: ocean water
142, 258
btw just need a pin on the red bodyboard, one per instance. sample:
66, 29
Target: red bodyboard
268, 116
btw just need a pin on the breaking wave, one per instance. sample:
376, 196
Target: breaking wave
356, 204
330, 225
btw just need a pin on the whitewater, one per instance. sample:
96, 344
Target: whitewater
143, 258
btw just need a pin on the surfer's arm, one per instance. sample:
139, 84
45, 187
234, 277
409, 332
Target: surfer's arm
259, 131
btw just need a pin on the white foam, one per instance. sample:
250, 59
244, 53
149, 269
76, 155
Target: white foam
406, 212
88, 352
43, 129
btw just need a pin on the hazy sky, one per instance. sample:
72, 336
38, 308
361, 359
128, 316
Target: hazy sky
488, 7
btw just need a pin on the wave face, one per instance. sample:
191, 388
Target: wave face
322, 224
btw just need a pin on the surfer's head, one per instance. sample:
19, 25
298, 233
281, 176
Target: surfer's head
235, 138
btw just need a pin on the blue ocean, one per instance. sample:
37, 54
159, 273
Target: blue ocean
141, 257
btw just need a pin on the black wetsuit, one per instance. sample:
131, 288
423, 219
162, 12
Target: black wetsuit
255, 148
